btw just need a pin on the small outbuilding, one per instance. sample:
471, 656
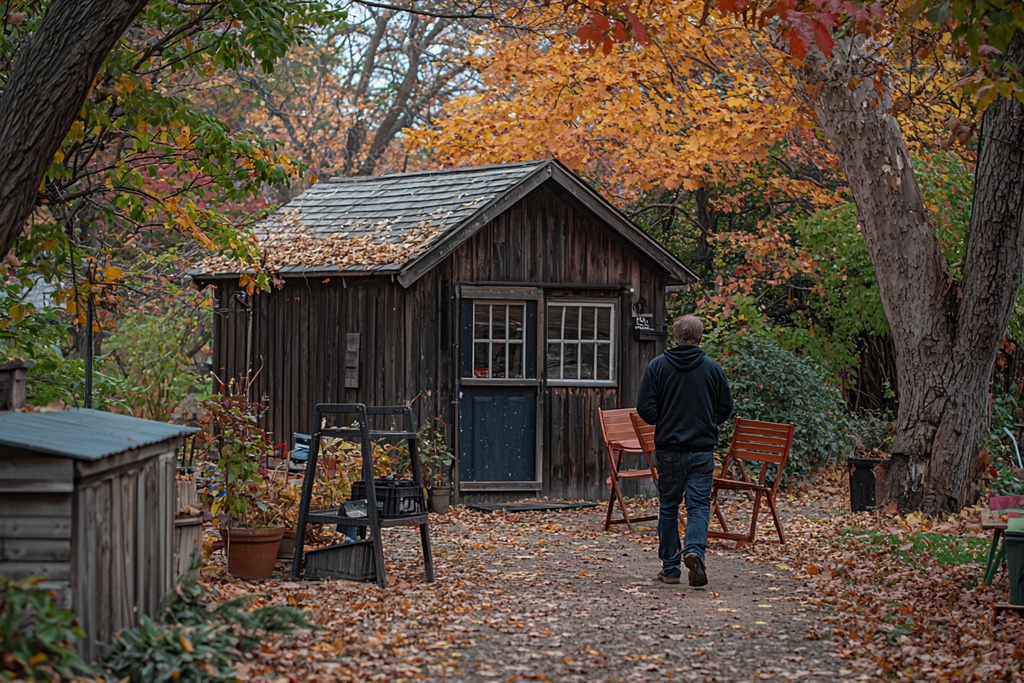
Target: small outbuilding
87, 502
509, 301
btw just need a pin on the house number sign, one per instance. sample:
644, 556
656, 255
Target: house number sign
643, 323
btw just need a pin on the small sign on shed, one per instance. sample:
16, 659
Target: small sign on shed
87, 501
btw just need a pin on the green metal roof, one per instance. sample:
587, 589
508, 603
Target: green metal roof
81, 433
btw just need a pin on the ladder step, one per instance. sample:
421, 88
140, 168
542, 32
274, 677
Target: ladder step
356, 417
336, 432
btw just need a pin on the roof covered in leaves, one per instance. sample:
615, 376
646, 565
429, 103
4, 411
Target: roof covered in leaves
406, 223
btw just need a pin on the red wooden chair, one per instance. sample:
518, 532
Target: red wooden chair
619, 439
763, 443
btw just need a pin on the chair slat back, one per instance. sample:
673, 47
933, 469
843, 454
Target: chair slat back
645, 433
619, 439
616, 425
764, 442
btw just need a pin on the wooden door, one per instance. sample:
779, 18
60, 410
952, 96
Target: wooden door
498, 394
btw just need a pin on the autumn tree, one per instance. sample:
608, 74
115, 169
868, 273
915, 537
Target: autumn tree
142, 178
703, 139
701, 106
946, 327
46, 85
341, 101
947, 322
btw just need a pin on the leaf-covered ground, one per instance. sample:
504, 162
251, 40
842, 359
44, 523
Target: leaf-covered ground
551, 596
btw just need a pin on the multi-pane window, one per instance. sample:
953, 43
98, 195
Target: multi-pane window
580, 344
498, 342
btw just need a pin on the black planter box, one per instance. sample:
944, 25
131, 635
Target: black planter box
351, 561
862, 482
395, 497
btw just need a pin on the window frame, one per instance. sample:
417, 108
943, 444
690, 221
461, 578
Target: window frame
613, 340
507, 342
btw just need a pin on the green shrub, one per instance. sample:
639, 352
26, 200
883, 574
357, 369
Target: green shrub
39, 335
190, 641
775, 385
151, 348
1003, 472
154, 652
874, 432
36, 636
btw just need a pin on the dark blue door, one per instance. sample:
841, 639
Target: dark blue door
500, 424
498, 393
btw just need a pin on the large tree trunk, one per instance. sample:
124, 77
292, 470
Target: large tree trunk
50, 81
945, 332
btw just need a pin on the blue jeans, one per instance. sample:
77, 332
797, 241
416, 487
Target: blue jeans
682, 474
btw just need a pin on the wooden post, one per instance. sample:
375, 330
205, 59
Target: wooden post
12, 385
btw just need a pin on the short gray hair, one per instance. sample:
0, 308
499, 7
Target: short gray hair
687, 329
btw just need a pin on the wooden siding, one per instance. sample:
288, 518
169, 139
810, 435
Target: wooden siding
98, 532
122, 554
299, 347
548, 239
407, 349
35, 519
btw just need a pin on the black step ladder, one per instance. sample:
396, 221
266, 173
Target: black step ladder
348, 421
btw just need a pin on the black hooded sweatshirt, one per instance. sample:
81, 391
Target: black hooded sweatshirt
686, 396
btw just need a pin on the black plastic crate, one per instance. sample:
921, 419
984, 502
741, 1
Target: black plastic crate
350, 561
395, 497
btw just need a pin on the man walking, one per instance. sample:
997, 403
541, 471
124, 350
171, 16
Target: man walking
686, 396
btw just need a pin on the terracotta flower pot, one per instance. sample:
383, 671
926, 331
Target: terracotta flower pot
286, 550
251, 552
439, 499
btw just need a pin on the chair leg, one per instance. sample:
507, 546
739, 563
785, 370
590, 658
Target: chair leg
753, 517
775, 518
611, 505
995, 554
611, 492
616, 495
717, 510
622, 505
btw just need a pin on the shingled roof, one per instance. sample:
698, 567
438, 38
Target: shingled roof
407, 223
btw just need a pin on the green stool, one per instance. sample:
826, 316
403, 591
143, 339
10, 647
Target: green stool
1013, 545
996, 555
990, 519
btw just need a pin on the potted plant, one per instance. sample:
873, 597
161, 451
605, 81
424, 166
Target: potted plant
254, 520
868, 464
281, 495
1007, 487
436, 460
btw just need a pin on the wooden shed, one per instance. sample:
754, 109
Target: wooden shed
87, 501
510, 301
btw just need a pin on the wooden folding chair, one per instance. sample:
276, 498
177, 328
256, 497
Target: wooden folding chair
645, 435
766, 443
620, 439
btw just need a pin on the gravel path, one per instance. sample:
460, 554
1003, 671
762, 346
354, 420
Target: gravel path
547, 596
570, 602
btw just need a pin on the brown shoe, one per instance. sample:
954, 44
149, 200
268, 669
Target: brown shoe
698, 577
667, 579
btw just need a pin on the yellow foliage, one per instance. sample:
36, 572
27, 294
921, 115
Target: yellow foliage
702, 105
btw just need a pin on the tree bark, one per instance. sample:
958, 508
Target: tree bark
50, 80
945, 332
